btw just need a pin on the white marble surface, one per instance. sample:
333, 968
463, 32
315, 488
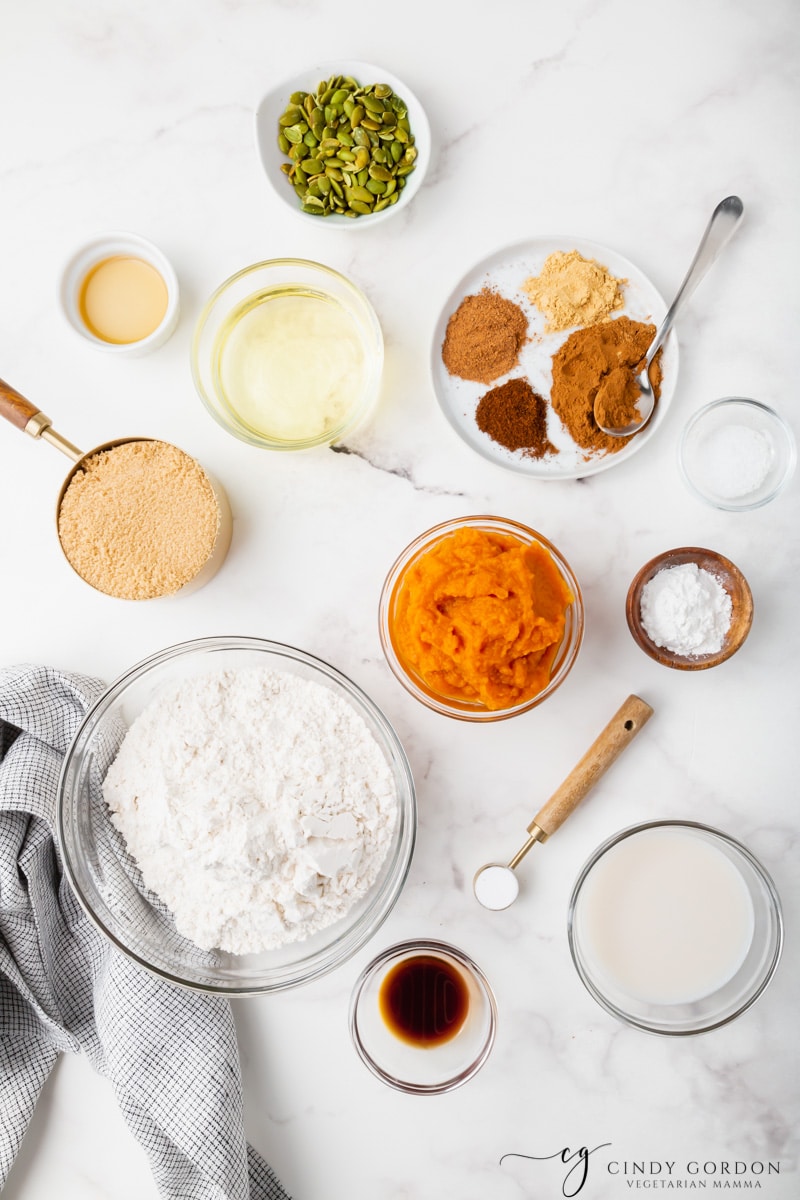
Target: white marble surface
606, 119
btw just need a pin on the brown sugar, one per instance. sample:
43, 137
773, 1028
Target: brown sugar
484, 337
515, 416
583, 365
138, 520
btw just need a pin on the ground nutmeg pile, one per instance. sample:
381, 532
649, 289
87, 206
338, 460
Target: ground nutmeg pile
484, 337
138, 520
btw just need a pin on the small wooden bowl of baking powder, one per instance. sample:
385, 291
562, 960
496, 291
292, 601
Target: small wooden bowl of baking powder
680, 621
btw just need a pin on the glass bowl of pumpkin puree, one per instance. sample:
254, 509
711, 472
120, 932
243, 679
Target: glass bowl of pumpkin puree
481, 618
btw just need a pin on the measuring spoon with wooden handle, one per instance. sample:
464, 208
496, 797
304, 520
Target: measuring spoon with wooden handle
497, 886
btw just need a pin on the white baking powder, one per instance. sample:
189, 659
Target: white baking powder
686, 610
258, 806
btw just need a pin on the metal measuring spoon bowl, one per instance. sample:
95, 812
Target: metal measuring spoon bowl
724, 221
496, 887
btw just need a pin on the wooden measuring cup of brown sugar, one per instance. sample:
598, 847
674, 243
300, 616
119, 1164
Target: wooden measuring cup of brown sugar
137, 518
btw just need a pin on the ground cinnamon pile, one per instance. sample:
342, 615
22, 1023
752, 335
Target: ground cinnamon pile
138, 520
573, 290
484, 337
515, 416
587, 360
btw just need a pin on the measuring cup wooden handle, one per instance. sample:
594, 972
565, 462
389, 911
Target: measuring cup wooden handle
616, 737
15, 408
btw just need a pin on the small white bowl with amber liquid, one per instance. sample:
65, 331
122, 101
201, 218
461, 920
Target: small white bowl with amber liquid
121, 294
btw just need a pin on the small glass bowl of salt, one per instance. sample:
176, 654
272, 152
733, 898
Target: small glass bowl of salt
736, 454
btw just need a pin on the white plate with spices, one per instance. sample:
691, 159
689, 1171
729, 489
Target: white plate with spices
505, 272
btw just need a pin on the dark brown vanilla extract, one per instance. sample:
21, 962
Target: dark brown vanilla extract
424, 1000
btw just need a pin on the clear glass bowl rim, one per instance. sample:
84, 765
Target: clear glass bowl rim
400, 854
748, 402
429, 537
406, 950
763, 875
376, 357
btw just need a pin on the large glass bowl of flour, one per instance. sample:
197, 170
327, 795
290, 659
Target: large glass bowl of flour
98, 847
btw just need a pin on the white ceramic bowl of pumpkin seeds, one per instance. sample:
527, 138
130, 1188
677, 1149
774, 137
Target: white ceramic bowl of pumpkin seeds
345, 143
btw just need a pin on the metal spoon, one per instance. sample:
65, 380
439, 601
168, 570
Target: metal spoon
496, 886
724, 220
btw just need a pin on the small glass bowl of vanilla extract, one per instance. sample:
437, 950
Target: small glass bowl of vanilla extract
423, 1017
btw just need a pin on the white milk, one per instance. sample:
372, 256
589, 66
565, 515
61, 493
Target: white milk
664, 916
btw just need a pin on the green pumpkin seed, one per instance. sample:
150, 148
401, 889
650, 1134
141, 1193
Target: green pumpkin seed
291, 116
350, 147
361, 193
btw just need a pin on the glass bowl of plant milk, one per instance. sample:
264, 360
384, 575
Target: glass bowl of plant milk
288, 355
674, 927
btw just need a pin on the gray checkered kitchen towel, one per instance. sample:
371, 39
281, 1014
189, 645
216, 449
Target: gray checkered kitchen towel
170, 1054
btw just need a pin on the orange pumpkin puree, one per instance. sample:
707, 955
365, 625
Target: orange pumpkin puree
479, 617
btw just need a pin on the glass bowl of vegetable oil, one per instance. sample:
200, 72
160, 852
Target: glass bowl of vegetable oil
287, 355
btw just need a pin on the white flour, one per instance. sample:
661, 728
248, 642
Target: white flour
257, 804
686, 610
